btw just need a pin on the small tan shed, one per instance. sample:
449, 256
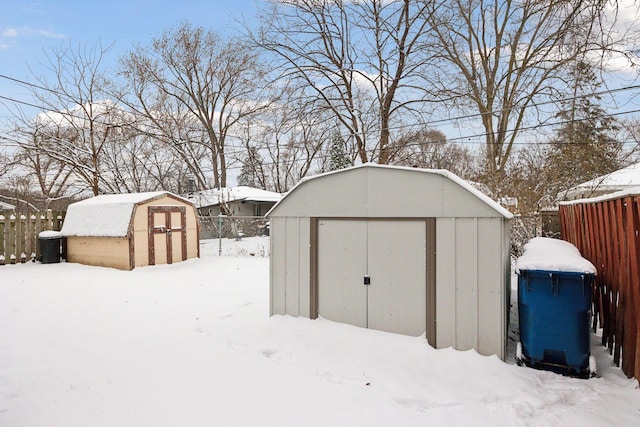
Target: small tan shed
131, 230
403, 250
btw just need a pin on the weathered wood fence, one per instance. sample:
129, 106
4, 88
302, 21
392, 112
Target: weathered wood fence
606, 231
19, 234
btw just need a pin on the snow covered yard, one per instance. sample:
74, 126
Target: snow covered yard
191, 344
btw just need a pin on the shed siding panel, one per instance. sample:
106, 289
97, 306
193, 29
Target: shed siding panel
99, 251
278, 258
459, 202
445, 282
466, 241
193, 238
490, 286
319, 198
140, 248
292, 266
506, 285
304, 266
385, 195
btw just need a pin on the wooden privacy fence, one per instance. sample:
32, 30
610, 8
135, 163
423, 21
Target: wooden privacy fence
606, 231
19, 234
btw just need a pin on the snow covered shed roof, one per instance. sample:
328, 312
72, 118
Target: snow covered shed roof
107, 215
371, 190
241, 193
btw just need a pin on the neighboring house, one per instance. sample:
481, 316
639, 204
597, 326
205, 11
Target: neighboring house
6, 207
236, 201
619, 180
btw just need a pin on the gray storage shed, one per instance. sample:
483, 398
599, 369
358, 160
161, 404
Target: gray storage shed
404, 250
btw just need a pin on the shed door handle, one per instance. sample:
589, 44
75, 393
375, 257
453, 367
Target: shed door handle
367, 280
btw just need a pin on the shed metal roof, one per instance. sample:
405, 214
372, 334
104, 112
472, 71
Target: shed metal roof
466, 187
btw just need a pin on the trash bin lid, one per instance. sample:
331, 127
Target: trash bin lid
547, 254
50, 234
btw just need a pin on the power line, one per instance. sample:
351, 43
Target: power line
25, 83
398, 127
462, 139
28, 104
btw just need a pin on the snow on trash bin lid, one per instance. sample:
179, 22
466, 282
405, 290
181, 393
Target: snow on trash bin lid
545, 253
49, 234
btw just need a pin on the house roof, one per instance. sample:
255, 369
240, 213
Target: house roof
477, 194
631, 191
107, 215
619, 180
215, 196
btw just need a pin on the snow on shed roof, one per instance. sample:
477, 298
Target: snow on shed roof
242, 193
545, 253
107, 215
451, 176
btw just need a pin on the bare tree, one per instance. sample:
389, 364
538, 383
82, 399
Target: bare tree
285, 143
360, 58
32, 159
78, 121
429, 148
498, 58
190, 88
5, 162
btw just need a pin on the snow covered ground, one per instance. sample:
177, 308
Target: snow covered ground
192, 344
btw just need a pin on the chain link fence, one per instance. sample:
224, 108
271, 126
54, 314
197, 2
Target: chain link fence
233, 227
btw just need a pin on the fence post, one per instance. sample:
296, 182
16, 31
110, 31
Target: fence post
219, 234
11, 238
58, 221
21, 238
33, 234
2, 240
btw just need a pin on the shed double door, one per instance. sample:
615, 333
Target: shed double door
167, 234
389, 255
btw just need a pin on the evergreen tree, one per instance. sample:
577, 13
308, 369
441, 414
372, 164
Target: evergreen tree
251, 171
584, 146
338, 156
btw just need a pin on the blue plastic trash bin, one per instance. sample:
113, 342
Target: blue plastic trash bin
554, 307
554, 310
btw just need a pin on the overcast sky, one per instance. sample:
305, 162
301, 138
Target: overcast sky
28, 28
